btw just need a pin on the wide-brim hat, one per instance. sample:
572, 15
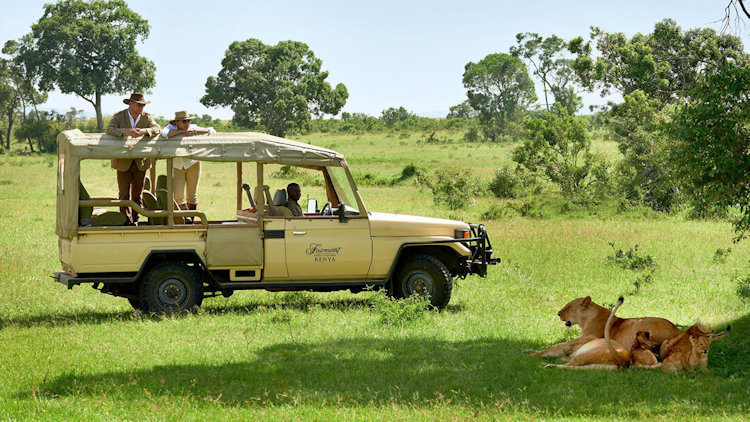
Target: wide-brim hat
136, 98
182, 115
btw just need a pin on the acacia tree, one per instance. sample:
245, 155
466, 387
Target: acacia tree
278, 86
554, 70
498, 86
88, 48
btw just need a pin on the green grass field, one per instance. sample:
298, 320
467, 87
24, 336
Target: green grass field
81, 355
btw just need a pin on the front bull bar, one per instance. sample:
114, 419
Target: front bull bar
481, 252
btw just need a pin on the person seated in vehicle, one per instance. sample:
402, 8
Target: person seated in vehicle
293, 194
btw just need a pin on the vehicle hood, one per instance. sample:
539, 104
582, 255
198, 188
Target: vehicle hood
384, 224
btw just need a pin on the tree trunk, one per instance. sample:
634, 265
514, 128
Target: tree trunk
10, 127
26, 125
98, 108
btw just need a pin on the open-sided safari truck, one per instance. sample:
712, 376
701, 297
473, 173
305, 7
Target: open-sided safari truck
170, 262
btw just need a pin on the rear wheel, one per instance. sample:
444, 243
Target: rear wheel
171, 286
427, 276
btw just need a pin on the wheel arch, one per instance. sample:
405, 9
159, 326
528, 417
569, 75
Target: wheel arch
444, 253
187, 256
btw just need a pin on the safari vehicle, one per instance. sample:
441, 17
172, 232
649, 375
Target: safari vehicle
178, 257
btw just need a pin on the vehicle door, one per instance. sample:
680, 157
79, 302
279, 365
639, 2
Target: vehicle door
328, 247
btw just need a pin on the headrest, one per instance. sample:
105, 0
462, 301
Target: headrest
161, 182
279, 198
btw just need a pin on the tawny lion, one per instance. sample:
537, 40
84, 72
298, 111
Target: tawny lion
593, 318
689, 350
599, 353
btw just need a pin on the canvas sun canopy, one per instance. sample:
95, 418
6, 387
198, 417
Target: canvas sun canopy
74, 146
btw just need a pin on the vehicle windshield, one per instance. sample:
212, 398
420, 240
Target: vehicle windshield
343, 188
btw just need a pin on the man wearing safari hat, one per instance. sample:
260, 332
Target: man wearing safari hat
185, 172
131, 173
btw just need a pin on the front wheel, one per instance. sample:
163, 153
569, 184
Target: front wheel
171, 286
426, 276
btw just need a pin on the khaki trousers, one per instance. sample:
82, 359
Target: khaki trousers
130, 186
186, 179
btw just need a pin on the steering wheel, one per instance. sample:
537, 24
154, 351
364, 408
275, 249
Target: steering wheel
326, 210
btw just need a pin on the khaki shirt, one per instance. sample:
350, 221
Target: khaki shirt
120, 121
294, 208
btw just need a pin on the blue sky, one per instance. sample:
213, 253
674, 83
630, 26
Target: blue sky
387, 53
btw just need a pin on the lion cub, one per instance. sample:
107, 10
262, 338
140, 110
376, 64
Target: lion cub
641, 352
689, 350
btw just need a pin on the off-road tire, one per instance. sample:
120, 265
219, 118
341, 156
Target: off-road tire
170, 287
424, 274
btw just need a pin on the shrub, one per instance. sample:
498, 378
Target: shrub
399, 312
286, 172
455, 188
631, 259
721, 254
505, 183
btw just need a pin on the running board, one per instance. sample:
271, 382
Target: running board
300, 285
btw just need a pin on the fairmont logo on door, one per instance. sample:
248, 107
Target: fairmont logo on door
321, 254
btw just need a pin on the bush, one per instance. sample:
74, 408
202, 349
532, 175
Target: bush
455, 188
399, 312
631, 259
721, 254
286, 172
505, 183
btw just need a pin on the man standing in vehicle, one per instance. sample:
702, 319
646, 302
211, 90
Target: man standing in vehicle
132, 173
294, 193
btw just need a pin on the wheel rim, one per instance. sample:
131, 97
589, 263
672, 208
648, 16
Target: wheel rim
172, 292
420, 283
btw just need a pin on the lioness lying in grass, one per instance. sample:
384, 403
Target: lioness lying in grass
592, 318
608, 354
599, 353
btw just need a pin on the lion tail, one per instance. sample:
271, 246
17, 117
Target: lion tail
624, 363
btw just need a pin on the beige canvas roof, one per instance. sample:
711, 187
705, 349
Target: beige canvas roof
228, 147
74, 146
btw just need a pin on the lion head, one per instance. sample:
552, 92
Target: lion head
577, 311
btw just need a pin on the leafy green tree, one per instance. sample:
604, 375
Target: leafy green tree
550, 64
9, 102
392, 115
664, 64
278, 86
21, 79
462, 110
558, 148
87, 48
498, 87
645, 172
711, 136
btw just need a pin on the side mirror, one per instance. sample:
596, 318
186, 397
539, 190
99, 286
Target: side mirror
342, 213
312, 206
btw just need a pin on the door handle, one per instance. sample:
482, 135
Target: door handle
299, 232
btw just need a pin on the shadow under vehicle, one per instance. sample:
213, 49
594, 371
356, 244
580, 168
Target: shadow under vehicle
177, 257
